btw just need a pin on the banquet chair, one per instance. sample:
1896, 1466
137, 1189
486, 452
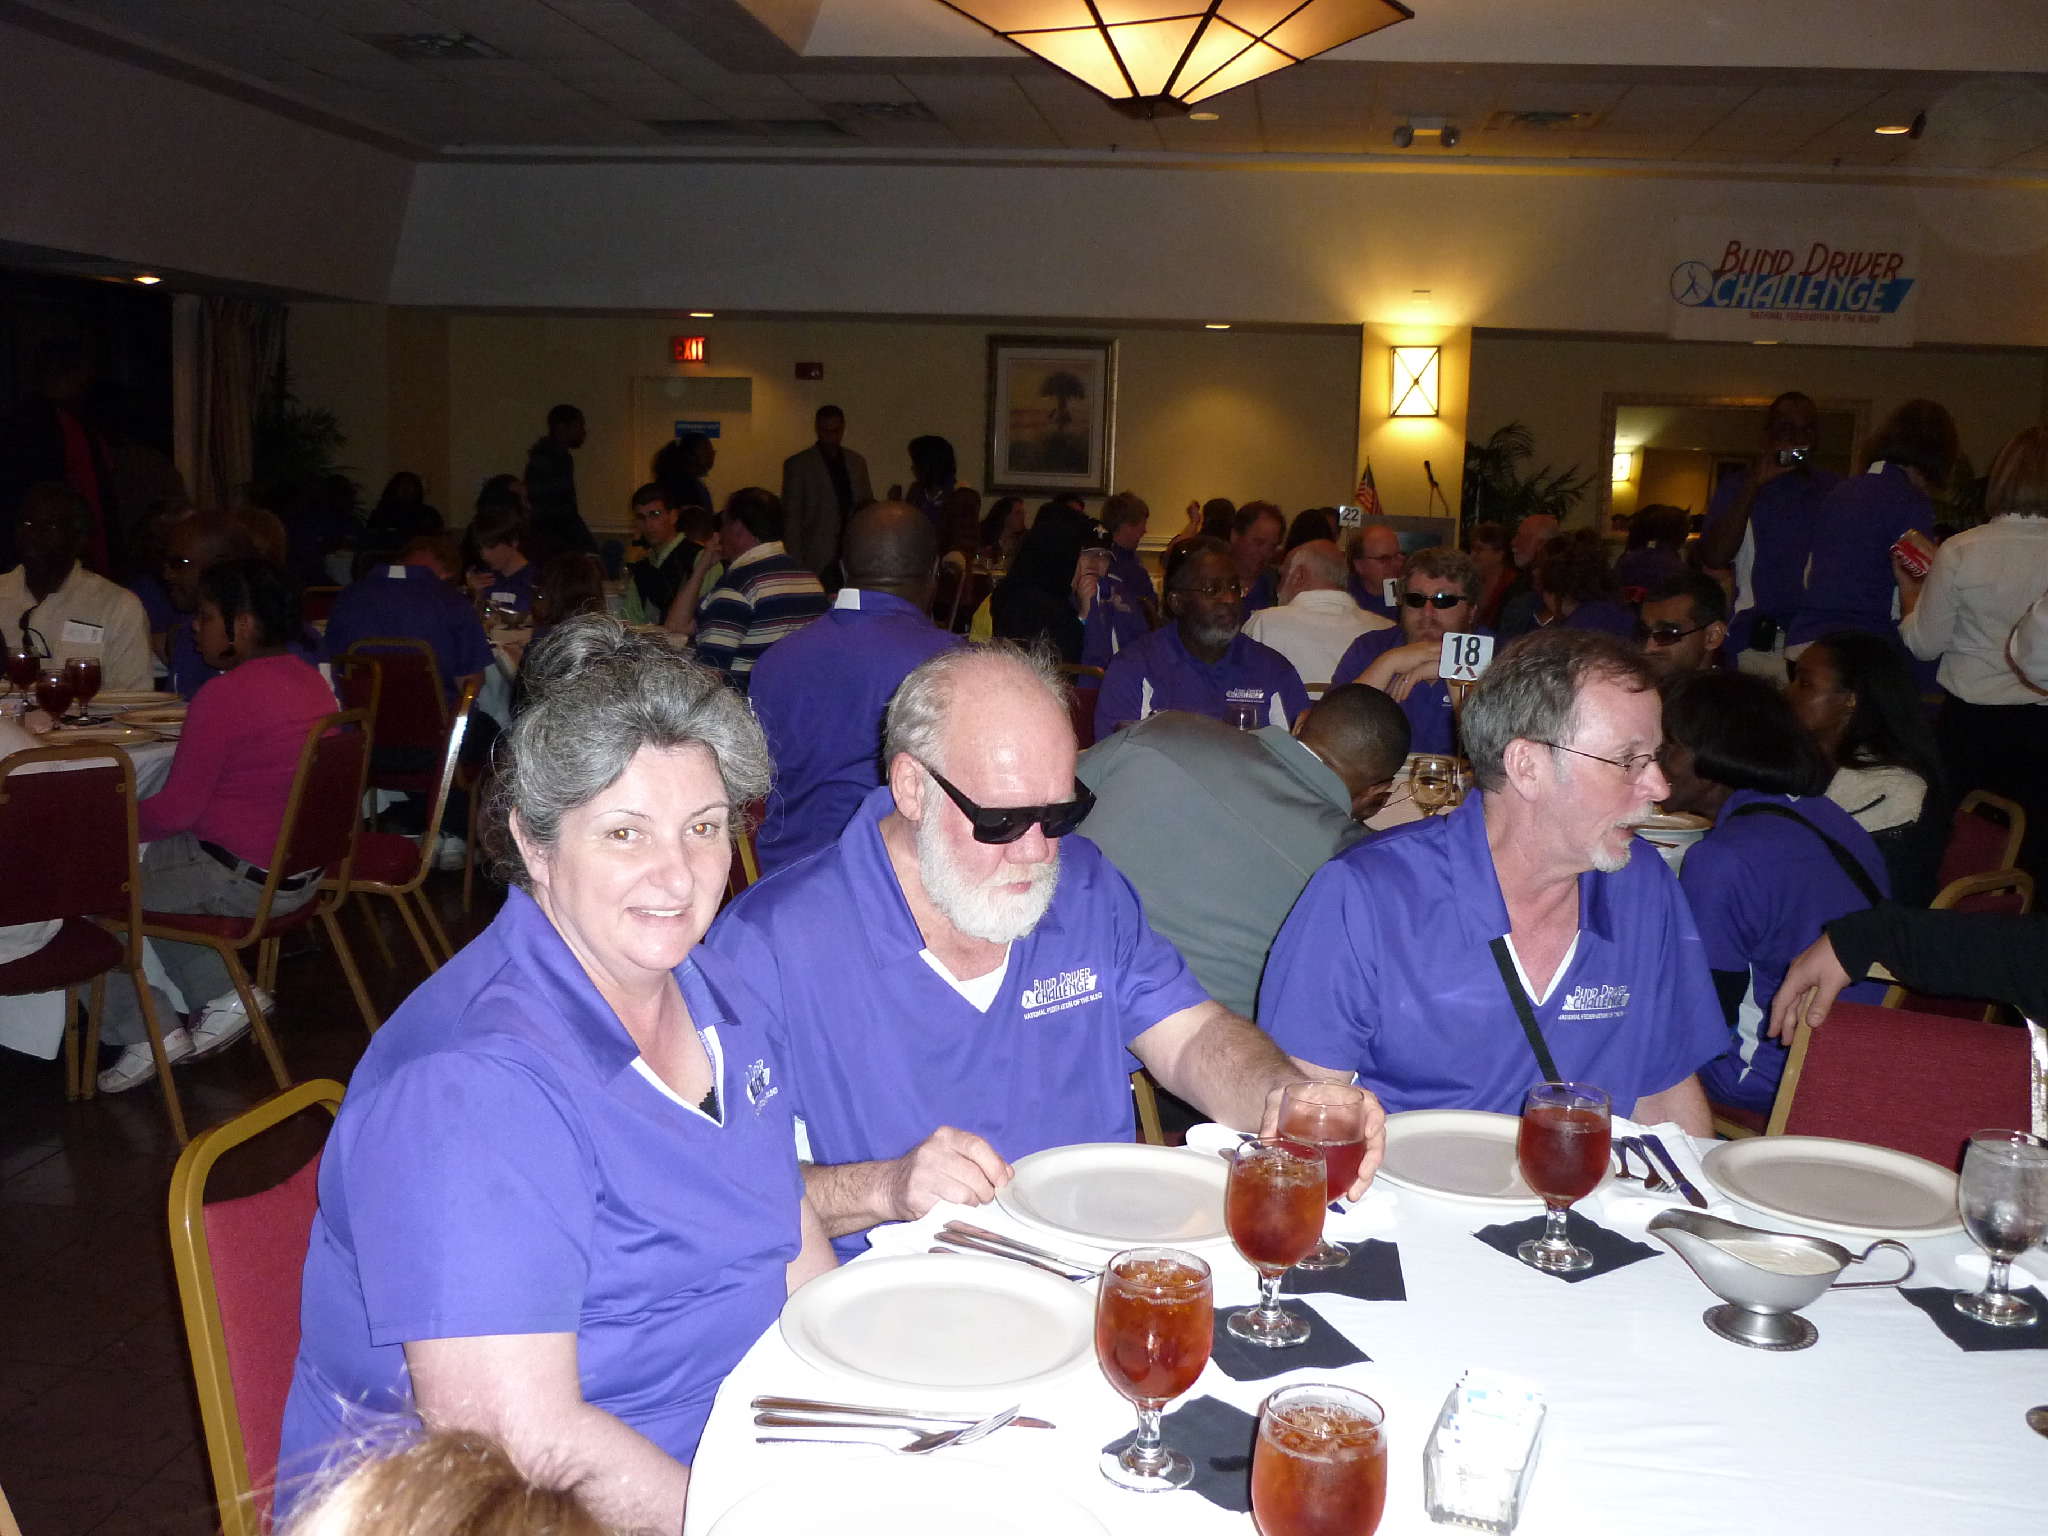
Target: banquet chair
2002, 890
74, 824
238, 1264
410, 722
321, 821
316, 604
1917, 1082
1146, 1098
393, 865
1083, 684
1985, 833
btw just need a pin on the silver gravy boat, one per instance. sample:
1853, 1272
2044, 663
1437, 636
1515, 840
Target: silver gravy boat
1763, 1278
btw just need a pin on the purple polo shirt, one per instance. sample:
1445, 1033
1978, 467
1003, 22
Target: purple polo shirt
1157, 672
881, 1050
1606, 617
1127, 568
1372, 597
410, 600
1432, 726
516, 591
1384, 967
1781, 524
1264, 593
501, 1166
1849, 584
1761, 890
1115, 620
820, 694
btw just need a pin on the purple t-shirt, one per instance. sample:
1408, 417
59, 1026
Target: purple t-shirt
1115, 620
1384, 967
881, 1050
1604, 616
1761, 890
1157, 672
820, 694
516, 591
411, 601
1372, 597
501, 1166
1849, 584
1781, 524
1432, 726
1127, 568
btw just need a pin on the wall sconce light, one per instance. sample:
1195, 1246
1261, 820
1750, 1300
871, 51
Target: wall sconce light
687, 349
1624, 466
1416, 374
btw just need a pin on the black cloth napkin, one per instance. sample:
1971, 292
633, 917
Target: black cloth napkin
1218, 1439
1374, 1274
1610, 1250
1325, 1348
1969, 1334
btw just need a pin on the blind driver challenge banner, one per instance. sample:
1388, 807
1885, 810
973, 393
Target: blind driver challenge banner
1817, 285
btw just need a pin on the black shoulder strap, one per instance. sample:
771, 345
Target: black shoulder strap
1523, 1011
1858, 875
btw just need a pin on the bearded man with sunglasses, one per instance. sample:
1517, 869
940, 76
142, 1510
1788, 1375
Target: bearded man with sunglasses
1437, 599
960, 983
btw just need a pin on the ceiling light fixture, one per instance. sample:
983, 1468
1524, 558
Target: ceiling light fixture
1156, 58
703, 314
1911, 130
1217, 325
1444, 130
1896, 128
1204, 117
147, 279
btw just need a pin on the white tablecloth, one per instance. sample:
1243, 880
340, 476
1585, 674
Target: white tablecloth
1655, 1425
35, 1022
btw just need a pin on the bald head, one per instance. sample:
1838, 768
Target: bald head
890, 546
996, 702
1317, 566
1362, 736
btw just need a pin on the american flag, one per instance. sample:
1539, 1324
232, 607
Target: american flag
1368, 493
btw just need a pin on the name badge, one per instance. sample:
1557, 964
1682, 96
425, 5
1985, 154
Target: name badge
395, 572
504, 597
78, 632
1464, 657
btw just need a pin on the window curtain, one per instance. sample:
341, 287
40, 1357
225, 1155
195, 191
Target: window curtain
240, 349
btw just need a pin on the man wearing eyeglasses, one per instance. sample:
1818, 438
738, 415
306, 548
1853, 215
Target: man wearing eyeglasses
1457, 961
54, 608
1682, 624
1436, 600
958, 982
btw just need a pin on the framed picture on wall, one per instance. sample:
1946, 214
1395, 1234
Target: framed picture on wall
1051, 414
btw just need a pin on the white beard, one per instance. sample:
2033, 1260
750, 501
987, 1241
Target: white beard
995, 917
1613, 863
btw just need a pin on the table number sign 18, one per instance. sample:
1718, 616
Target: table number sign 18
1465, 657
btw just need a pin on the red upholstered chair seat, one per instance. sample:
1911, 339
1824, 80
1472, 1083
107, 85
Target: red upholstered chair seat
385, 858
79, 951
232, 928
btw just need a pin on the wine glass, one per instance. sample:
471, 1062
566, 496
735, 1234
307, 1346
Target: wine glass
1273, 1207
23, 668
1331, 1118
83, 673
1433, 780
1562, 1150
1154, 1320
1320, 1464
2003, 1198
53, 693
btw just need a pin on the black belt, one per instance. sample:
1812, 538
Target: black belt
251, 873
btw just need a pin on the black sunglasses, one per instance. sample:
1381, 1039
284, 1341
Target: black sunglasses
1664, 634
1007, 823
1434, 599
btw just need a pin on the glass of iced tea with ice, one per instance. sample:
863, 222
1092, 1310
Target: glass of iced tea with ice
1320, 1468
1562, 1151
1273, 1208
1153, 1322
1331, 1118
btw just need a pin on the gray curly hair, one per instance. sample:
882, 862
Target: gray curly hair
596, 693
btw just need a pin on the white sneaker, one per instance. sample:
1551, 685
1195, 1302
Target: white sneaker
136, 1064
224, 1021
451, 853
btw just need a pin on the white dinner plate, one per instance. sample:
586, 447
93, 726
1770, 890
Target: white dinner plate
1120, 1194
921, 1496
945, 1322
155, 714
1838, 1186
100, 736
125, 698
1459, 1154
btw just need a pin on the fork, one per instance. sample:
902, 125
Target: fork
922, 1445
1651, 1180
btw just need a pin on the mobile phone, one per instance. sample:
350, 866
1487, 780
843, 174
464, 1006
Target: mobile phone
1787, 457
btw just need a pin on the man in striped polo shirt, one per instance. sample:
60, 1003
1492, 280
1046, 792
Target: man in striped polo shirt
763, 595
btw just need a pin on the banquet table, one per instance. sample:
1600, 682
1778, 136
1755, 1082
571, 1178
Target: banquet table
1654, 1424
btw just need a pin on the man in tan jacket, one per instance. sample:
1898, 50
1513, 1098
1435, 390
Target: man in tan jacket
822, 487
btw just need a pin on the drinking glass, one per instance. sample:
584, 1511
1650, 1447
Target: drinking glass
1433, 780
1273, 1207
83, 673
23, 668
2003, 1198
1153, 1323
1331, 1118
53, 693
1242, 713
1320, 1466
1562, 1150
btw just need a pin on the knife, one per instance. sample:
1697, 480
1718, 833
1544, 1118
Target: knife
1685, 1185
771, 1404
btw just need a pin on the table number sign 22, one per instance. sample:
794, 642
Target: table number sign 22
1465, 657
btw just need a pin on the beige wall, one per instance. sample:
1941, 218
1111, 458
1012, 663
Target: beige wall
338, 360
1555, 386
1672, 477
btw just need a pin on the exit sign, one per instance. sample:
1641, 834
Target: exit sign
687, 349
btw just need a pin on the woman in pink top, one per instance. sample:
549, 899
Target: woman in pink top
211, 830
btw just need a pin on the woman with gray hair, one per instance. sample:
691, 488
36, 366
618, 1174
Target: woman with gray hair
562, 1197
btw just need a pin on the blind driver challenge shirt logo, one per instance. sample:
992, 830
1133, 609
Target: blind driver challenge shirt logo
1056, 994
1593, 1002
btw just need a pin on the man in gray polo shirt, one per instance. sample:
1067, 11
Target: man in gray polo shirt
1219, 829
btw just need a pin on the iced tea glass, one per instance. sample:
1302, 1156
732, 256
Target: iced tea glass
53, 694
1331, 1118
1273, 1207
1320, 1467
2003, 1200
1433, 781
23, 668
1562, 1150
1154, 1319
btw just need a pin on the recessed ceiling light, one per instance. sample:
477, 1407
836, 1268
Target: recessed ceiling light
1896, 128
147, 279
1217, 325
702, 314
1204, 117
1771, 341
